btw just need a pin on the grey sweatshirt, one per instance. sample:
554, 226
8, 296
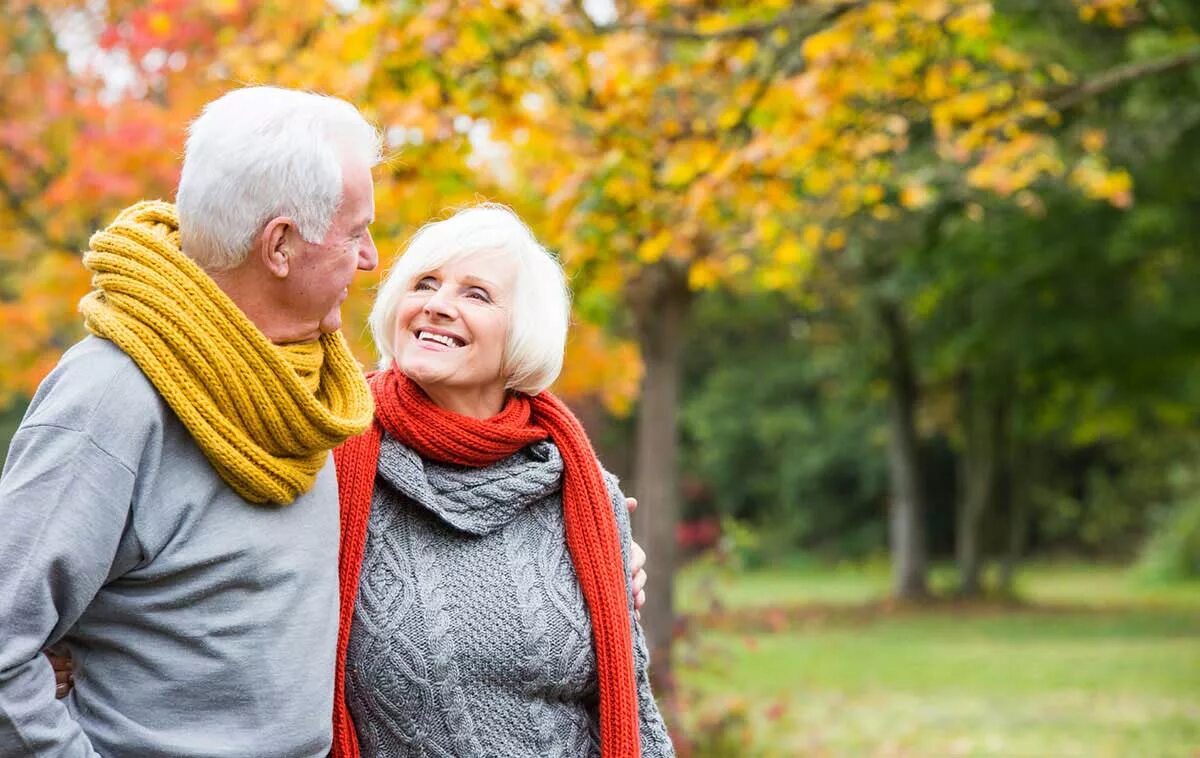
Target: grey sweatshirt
470, 634
200, 625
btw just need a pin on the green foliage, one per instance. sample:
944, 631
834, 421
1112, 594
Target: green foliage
777, 428
1173, 551
10, 419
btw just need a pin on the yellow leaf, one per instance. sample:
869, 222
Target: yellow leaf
160, 24
791, 253
768, 228
678, 171
812, 235
818, 181
703, 275
223, 7
773, 278
883, 30
1060, 74
971, 105
652, 250
829, 42
915, 196
729, 117
738, 263
1093, 140
620, 189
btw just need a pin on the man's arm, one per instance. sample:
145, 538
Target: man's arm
64, 503
638, 565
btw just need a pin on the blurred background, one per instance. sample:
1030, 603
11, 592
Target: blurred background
886, 312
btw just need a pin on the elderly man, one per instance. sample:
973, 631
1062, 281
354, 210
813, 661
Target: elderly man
215, 380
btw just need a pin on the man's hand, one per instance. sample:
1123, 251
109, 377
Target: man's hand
637, 559
64, 676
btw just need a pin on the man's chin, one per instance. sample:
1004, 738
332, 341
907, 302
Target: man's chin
331, 323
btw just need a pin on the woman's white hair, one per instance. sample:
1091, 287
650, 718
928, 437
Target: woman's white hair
260, 152
541, 301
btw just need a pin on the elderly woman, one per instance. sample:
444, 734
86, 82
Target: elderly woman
486, 606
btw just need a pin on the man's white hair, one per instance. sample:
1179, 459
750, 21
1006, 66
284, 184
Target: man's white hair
260, 152
541, 301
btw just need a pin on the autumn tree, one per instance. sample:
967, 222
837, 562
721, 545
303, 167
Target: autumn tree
678, 147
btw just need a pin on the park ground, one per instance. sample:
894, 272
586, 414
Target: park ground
808, 661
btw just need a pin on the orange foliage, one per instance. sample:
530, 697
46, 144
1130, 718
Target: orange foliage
738, 142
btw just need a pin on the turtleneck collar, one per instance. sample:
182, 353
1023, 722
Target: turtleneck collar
476, 501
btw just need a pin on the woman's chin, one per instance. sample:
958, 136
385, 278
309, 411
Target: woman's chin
425, 375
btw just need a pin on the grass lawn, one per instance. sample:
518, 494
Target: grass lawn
806, 663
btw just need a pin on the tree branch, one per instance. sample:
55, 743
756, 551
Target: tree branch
1117, 77
754, 30
18, 205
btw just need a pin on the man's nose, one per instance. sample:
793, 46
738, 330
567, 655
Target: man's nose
368, 256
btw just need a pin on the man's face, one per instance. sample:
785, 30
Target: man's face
319, 273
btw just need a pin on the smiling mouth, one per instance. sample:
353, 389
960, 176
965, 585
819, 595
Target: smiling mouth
441, 339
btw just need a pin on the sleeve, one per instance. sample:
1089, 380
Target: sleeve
656, 742
65, 504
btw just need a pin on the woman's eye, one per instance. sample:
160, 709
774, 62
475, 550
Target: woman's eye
428, 283
478, 294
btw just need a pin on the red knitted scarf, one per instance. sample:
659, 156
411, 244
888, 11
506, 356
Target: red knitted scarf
408, 414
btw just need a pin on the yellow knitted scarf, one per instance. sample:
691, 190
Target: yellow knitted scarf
265, 416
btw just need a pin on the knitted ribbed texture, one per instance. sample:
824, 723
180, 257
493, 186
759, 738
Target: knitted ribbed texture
404, 410
265, 416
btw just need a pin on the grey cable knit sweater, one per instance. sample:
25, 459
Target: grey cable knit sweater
470, 634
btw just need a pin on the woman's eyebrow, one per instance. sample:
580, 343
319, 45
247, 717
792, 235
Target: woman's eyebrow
478, 280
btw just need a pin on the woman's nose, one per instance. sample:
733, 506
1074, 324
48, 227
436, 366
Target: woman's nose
439, 304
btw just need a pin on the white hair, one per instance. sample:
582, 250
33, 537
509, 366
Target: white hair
541, 301
260, 152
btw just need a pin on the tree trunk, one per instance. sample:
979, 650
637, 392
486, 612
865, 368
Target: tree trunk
979, 466
907, 520
1022, 479
661, 304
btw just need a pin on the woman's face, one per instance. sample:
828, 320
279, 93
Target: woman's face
451, 327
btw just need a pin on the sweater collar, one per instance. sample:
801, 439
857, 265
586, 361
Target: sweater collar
477, 501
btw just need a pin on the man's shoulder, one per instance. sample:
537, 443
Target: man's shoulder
95, 387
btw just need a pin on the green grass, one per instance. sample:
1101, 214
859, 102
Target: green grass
1102, 667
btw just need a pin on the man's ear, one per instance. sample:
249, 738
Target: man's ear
274, 245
